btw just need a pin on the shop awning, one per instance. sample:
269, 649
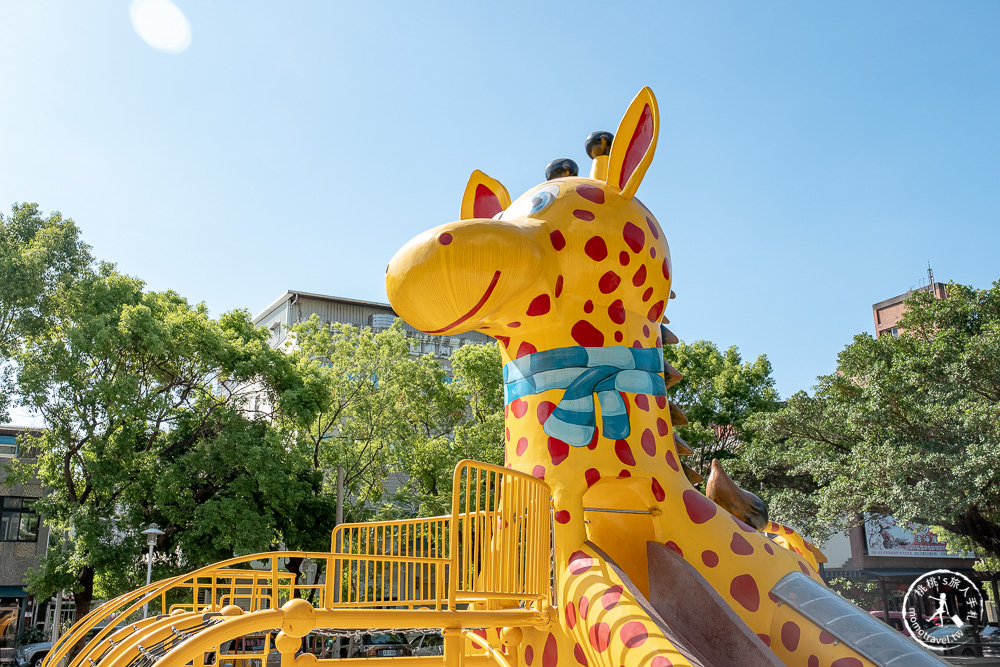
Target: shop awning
911, 572
13, 592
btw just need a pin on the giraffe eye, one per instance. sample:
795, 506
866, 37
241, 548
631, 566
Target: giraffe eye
532, 203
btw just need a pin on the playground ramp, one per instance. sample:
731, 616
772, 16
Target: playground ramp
482, 575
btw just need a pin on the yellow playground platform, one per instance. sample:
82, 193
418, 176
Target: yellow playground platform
591, 546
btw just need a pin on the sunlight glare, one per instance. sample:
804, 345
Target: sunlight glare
161, 25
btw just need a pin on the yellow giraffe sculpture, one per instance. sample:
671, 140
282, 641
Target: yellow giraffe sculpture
572, 279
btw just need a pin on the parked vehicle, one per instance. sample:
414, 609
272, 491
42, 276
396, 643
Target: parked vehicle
31, 655
431, 643
381, 645
988, 644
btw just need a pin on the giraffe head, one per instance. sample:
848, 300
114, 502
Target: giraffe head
573, 261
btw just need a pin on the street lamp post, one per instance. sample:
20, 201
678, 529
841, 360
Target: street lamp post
151, 534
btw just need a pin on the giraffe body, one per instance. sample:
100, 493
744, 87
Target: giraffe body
579, 269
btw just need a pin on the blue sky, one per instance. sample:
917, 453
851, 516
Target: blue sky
811, 161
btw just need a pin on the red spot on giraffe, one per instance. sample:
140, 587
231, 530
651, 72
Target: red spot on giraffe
584, 606
609, 282
593, 476
616, 311
846, 662
652, 227
790, 633
505, 340
562, 516
445, 238
813, 661
558, 450
661, 426
519, 407
652, 253
619, 336
709, 558
744, 590
764, 638
646, 295
580, 656
611, 597
600, 636
639, 277
570, 615
586, 334
592, 445
524, 349
557, 239
826, 638
773, 598
642, 401
513, 325
539, 305
583, 214
539, 472
633, 634
624, 452
637, 344
543, 410
522, 446
648, 442
768, 549
529, 655
666, 268
661, 661
591, 193
658, 492
699, 508
803, 567
674, 547
672, 460
580, 562
740, 546
550, 654
559, 285
596, 249
588, 306
655, 312
623, 258
622, 474
635, 238
661, 401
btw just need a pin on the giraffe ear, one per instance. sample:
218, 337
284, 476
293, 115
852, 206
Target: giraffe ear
634, 144
484, 197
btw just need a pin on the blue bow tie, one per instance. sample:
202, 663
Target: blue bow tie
583, 372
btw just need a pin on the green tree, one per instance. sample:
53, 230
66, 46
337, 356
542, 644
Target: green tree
39, 258
910, 425
145, 400
718, 394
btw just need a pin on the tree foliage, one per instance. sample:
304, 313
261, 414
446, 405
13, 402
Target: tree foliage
718, 393
910, 425
39, 258
146, 403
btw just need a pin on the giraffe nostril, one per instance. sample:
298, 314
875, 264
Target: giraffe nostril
445, 238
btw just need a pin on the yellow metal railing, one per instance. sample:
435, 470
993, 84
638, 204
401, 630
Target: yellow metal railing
492, 553
494, 549
390, 564
500, 537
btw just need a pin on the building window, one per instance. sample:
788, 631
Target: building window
18, 520
8, 446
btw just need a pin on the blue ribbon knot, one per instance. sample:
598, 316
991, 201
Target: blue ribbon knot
584, 372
